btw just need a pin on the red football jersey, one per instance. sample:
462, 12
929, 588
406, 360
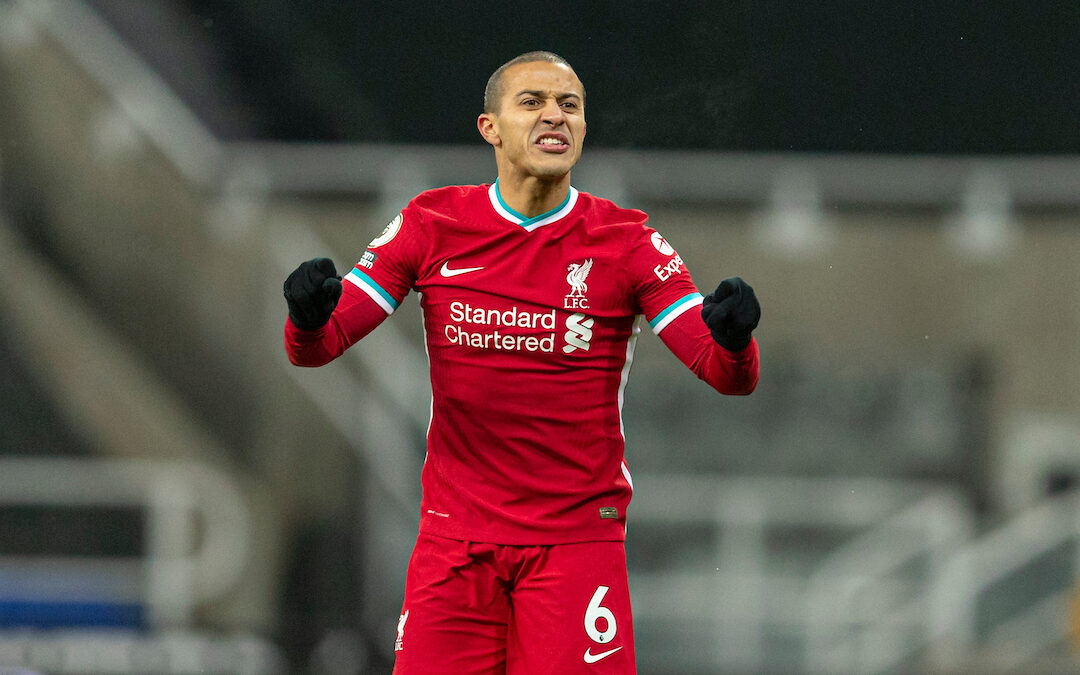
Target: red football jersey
530, 329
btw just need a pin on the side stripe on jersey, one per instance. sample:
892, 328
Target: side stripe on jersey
661, 320
631, 344
373, 290
624, 376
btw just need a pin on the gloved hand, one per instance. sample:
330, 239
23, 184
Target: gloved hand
312, 292
732, 313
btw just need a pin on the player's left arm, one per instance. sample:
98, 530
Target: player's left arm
712, 336
717, 343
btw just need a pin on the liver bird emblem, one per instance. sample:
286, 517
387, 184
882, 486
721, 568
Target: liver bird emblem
401, 630
576, 278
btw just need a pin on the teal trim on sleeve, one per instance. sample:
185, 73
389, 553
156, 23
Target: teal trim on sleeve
659, 318
370, 283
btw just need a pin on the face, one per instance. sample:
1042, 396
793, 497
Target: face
539, 126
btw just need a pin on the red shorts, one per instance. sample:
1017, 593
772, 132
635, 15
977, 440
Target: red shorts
489, 609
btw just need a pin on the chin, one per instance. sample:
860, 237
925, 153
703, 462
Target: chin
551, 170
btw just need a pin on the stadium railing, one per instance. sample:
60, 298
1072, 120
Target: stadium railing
125, 611
775, 572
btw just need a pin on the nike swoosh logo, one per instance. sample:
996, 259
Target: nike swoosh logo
447, 272
593, 658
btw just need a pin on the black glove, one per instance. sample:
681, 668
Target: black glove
732, 313
312, 291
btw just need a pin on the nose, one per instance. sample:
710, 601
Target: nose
552, 113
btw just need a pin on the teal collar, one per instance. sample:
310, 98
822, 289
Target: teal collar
531, 224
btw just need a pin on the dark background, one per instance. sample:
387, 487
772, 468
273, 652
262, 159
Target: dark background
945, 77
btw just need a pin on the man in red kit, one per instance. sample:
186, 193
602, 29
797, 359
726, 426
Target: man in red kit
533, 294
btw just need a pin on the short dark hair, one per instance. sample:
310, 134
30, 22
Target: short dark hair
493, 90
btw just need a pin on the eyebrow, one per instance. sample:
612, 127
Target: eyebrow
540, 94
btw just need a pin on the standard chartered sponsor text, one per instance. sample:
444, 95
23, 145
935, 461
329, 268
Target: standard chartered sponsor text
464, 313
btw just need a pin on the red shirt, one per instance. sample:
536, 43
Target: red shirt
530, 331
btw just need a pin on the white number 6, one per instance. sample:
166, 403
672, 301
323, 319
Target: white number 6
594, 613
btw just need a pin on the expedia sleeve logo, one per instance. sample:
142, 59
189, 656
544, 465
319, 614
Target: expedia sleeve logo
660, 244
671, 267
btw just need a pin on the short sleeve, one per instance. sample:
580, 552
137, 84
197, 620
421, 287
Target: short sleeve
389, 267
661, 283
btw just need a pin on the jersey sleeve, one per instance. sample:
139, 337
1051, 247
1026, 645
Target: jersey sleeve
663, 289
371, 291
734, 373
670, 301
389, 267
355, 316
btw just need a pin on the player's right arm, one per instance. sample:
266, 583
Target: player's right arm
327, 316
323, 321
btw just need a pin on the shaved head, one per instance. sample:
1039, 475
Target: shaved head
493, 91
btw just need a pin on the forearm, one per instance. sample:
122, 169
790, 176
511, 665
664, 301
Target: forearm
734, 373
312, 348
355, 316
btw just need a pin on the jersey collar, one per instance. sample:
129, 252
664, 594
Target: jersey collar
530, 224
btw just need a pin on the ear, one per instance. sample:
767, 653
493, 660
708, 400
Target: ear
486, 124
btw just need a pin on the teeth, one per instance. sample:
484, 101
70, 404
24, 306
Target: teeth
550, 141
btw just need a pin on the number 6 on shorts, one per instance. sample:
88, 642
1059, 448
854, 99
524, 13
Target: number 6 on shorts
594, 613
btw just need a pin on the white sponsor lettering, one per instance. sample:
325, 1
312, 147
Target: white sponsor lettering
501, 341
673, 267
463, 312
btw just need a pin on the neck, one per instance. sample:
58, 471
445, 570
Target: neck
529, 195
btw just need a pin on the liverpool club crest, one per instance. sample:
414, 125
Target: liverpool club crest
576, 275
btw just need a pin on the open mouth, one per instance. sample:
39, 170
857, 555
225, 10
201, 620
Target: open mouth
556, 143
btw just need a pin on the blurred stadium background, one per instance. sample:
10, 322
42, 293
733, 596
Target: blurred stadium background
901, 184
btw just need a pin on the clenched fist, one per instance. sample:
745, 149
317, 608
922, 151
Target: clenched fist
732, 313
312, 292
